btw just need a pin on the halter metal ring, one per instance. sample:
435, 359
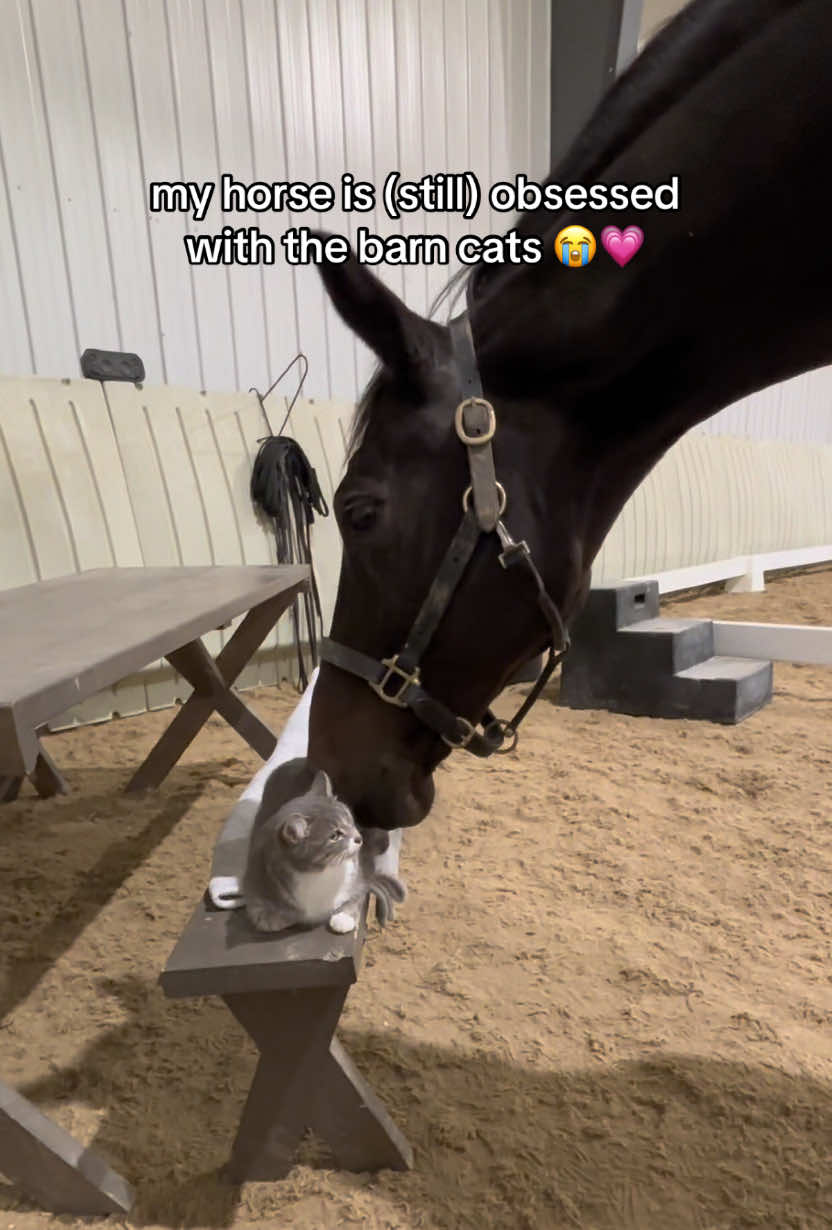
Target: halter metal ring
513, 735
501, 492
460, 425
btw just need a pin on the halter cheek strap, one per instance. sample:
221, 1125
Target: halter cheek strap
397, 680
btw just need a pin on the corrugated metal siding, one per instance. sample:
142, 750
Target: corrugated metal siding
100, 98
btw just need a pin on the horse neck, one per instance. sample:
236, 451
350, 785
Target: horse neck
728, 295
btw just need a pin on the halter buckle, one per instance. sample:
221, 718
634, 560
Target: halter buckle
408, 678
512, 551
468, 735
459, 421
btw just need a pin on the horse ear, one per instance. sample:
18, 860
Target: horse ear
321, 785
405, 342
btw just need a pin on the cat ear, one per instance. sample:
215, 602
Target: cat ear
321, 785
294, 829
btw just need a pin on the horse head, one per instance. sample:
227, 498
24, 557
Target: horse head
398, 508
592, 375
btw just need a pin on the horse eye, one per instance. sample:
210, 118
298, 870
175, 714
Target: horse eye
360, 511
362, 516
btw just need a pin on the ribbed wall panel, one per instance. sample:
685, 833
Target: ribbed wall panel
99, 98
799, 410
712, 498
92, 477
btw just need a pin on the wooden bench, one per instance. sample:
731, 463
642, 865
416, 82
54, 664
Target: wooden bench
287, 992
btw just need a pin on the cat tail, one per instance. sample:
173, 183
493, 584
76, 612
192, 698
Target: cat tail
389, 892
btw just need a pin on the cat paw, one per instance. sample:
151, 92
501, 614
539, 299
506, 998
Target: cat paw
342, 923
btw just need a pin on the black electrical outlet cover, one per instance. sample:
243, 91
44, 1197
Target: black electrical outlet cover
112, 365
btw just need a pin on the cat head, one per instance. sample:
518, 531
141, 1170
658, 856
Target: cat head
316, 829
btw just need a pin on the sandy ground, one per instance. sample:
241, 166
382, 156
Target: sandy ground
607, 1003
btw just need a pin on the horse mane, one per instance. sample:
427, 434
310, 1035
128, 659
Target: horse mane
361, 417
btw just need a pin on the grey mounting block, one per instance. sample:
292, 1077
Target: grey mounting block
627, 658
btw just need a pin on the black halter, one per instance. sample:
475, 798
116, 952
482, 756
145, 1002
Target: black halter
396, 680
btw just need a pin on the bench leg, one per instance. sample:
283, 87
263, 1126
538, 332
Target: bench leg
46, 776
195, 664
10, 788
353, 1120
52, 1167
305, 1080
212, 682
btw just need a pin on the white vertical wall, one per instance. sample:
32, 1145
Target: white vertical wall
100, 97
799, 411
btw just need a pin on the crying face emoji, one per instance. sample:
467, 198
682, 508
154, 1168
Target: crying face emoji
575, 246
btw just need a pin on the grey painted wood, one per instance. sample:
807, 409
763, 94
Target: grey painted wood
292, 1031
212, 681
52, 1167
65, 639
353, 1120
46, 776
305, 1079
220, 953
10, 788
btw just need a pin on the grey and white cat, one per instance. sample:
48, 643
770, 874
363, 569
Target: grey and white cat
308, 863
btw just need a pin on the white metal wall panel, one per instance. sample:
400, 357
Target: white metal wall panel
233, 136
72, 147
155, 126
713, 497
214, 298
31, 192
98, 99
300, 116
269, 162
799, 410
108, 66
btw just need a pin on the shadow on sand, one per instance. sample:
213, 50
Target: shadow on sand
670, 1142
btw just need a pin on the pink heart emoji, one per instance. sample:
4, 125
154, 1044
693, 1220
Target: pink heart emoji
622, 245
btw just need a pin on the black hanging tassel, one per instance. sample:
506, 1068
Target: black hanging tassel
285, 486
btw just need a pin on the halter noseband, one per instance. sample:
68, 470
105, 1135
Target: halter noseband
397, 680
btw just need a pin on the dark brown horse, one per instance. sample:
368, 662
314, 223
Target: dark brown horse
593, 374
